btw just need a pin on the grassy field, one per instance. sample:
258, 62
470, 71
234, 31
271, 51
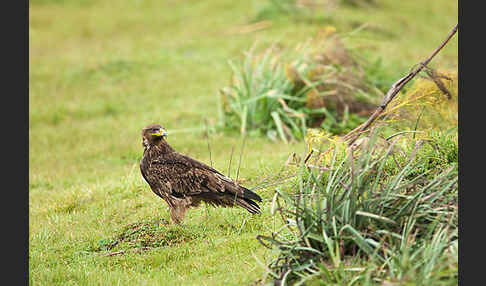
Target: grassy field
99, 71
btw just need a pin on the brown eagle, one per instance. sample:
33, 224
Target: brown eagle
184, 182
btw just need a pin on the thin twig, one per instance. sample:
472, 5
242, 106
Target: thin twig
318, 167
308, 156
417, 122
249, 28
241, 154
393, 91
231, 158
125, 251
209, 146
435, 77
113, 253
258, 187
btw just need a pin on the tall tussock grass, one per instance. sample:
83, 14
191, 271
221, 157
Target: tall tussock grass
368, 218
280, 93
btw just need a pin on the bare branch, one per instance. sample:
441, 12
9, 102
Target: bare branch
393, 91
435, 77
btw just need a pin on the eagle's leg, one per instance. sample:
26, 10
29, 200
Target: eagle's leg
177, 213
206, 211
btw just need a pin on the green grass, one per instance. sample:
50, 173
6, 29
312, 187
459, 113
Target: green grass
392, 223
313, 87
99, 71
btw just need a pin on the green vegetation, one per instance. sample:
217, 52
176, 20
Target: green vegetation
102, 70
304, 10
321, 85
393, 224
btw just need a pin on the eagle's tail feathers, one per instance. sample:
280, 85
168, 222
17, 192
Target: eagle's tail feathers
249, 205
247, 194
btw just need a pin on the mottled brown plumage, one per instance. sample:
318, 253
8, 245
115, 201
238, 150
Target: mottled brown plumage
184, 182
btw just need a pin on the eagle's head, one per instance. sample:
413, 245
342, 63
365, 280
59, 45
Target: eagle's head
153, 134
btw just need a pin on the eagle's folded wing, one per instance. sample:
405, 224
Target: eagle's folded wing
181, 176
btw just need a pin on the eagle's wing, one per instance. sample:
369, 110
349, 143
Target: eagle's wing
183, 176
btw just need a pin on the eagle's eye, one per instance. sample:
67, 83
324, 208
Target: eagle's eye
158, 132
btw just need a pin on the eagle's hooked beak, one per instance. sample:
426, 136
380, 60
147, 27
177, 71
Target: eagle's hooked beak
162, 132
